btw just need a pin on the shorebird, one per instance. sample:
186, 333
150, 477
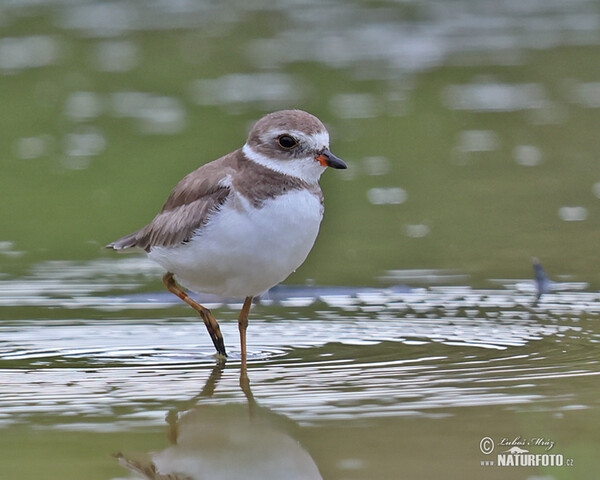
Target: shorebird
241, 224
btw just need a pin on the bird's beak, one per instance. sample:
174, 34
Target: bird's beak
328, 159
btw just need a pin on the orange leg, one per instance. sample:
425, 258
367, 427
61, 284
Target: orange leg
211, 322
242, 325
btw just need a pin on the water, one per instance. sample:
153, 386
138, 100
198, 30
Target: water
351, 382
409, 345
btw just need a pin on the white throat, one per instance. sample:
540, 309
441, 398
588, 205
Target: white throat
306, 169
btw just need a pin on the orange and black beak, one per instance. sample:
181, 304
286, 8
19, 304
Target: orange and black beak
328, 159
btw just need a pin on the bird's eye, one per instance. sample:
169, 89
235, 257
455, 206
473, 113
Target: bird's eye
287, 141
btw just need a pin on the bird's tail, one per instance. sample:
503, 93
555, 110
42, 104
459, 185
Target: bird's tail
128, 241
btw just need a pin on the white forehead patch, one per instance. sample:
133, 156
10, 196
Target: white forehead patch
320, 139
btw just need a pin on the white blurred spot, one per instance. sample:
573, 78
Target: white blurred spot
587, 94
28, 148
297, 302
376, 165
7, 249
596, 189
366, 46
384, 196
6, 245
573, 214
162, 115
494, 96
81, 106
76, 163
478, 141
154, 114
424, 276
528, 155
115, 56
98, 19
417, 230
17, 53
84, 143
351, 464
355, 105
271, 89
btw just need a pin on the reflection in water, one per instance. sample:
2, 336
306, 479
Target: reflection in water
226, 441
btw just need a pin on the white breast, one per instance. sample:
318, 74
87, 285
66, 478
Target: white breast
243, 250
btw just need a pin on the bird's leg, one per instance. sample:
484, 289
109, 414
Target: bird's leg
244, 381
242, 325
209, 320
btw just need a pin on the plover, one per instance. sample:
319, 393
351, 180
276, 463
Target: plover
243, 223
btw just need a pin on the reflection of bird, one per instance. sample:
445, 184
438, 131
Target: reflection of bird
239, 225
516, 450
226, 441
542, 282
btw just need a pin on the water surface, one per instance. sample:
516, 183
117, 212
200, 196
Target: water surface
350, 382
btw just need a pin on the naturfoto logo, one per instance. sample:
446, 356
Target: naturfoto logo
521, 452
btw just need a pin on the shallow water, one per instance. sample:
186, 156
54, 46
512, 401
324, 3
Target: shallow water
350, 382
409, 345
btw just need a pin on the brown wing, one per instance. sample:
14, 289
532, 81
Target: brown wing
189, 207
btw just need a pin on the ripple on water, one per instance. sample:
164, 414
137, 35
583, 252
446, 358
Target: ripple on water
351, 354
316, 353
